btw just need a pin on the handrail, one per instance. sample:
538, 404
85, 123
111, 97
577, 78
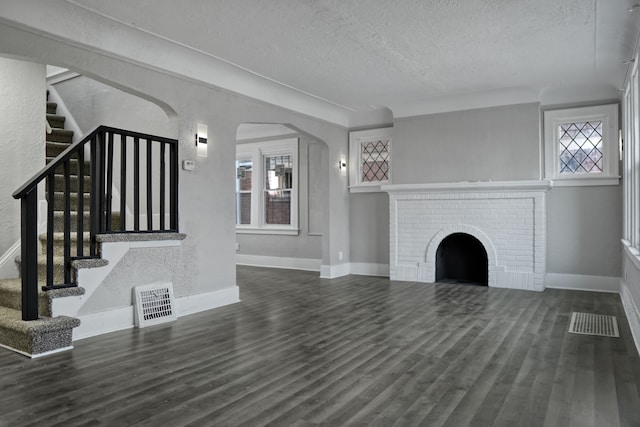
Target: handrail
66, 154
102, 144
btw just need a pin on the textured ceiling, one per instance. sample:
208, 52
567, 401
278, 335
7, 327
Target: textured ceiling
361, 54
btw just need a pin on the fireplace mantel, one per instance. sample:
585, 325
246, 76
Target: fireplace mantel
541, 185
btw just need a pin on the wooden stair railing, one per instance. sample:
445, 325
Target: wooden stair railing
100, 147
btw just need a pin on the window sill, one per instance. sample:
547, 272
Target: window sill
585, 182
365, 189
632, 252
280, 231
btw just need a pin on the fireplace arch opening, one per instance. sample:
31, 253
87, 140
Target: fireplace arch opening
462, 258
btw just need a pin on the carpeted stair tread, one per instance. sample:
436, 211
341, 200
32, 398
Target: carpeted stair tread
11, 296
56, 122
58, 244
73, 165
59, 200
58, 184
35, 337
11, 318
60, 135
55, 148
51, 107
58, 220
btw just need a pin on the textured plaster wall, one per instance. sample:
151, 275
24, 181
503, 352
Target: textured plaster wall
22, 133
207, 210
303, 245
93, 104
141, 267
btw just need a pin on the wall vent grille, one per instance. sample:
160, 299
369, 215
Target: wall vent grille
154, 304
594, 324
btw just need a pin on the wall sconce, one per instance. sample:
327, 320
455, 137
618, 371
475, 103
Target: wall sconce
342, 165
201, 140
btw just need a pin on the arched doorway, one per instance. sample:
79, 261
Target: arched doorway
461, 258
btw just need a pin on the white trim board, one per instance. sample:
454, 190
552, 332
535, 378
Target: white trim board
8, 267
103, 322
333, 271
308, 264
632, 312
369, 269
579, 282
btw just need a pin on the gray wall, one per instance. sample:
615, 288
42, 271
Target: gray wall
307, 244
369, 220
22, 143
474, 145
93, 104
584, 223
584, 228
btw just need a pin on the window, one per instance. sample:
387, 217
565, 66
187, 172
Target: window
581, 145
370, 159
266, 187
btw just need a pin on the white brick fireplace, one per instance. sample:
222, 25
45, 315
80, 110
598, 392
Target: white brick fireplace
507, 217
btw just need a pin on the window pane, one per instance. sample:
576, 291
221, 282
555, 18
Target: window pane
375, 160
277, 207
244, 173
243, 208
278, 172
580, 147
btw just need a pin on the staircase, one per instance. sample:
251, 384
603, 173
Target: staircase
80, 216
45, 335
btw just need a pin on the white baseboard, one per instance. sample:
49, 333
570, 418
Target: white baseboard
333, 271
279, 262
8, 267
103, 322
369, 269
579, 282
632, 312
196, 303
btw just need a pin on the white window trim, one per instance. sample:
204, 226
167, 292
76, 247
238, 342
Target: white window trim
256, 152
608, 114
356, 138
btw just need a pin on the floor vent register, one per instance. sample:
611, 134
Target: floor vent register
154, 304
594, 324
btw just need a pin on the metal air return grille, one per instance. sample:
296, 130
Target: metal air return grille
593, 324
154, 304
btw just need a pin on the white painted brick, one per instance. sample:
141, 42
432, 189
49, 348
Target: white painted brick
511, 225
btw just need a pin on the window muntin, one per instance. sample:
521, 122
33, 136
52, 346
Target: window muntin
277, 192
369, 159
269, 189
374, 160
244, 175
581, 145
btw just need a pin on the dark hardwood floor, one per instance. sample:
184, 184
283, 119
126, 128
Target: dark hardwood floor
357, 350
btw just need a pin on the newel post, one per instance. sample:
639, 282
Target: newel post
29, 252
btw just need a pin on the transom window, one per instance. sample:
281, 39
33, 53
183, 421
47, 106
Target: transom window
581, 145
369, 159
266, 187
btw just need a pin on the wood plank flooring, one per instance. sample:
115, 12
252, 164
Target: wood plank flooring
304, 351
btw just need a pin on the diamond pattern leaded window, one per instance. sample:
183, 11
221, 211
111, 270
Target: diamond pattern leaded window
375, 160
581, 147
